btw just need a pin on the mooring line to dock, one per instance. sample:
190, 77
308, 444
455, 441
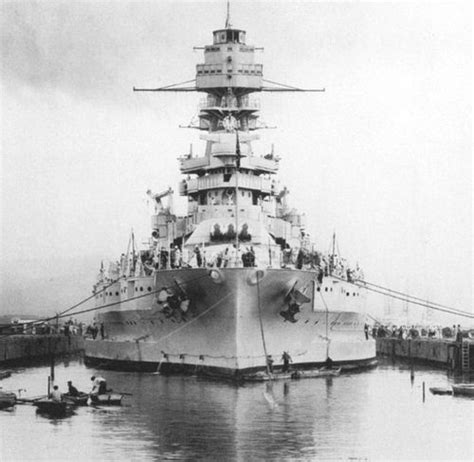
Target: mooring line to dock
410, 296
406, 297
327, 326
425, 305
96, 308
62, 314
261, 326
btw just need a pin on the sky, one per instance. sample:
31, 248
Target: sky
383, 157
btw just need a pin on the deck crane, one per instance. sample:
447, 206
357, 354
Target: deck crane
159, 208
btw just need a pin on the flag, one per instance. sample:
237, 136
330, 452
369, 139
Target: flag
237, 150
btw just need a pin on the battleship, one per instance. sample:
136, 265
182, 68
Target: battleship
236, 284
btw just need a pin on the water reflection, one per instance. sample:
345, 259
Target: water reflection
377, 414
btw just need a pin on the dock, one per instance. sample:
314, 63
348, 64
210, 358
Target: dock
21, 348
446, 353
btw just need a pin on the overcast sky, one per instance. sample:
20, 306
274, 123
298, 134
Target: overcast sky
383, 156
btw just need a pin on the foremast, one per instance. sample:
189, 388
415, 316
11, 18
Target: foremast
229, 183
229, 180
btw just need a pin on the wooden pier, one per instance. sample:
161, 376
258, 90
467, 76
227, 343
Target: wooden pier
446, 353
18, 349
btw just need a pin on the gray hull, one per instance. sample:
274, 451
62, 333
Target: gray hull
229, 319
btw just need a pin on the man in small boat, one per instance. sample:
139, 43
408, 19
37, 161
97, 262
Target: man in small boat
99, 386
56, 394
72, 390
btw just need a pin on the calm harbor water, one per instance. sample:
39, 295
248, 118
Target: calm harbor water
373, 415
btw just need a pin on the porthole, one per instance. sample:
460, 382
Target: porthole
319, 289
331, 289
348, 294
354, 294
149, 289
136, 289
116, 293
325, 289
141, 289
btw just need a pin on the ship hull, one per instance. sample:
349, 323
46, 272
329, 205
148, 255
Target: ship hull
234, 317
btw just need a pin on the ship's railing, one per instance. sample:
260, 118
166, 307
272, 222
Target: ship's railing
217, 68
228, 103
265, 185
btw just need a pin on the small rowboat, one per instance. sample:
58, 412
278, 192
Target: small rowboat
7, 399
78, 400
108, 399
297, 374
53, 408
464, 389
5, 374
441, 391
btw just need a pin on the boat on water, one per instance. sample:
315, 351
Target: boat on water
107, 399
7, 399
52, 407
464, 389
5, 374
85, 399
76, 400
237, 279
263, 376
441, 391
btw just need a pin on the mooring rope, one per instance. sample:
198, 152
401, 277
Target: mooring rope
261, 326
411, 296
63, 314
406, 297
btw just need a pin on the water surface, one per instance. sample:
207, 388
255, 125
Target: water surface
373, 415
